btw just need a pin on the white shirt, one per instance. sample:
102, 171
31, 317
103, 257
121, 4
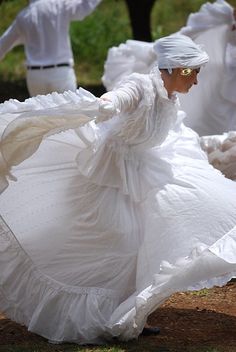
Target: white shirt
43, 29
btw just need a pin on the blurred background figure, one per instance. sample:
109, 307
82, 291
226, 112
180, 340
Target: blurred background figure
212, 109
140, 18
43, 28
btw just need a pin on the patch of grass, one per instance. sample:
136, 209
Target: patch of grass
91, 38
203, 292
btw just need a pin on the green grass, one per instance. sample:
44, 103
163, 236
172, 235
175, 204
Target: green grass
200, 293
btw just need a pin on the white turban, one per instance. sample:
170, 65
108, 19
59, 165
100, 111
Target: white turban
178, 50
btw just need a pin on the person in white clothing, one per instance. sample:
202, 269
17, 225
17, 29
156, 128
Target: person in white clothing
43, 28
211, 110
115, 206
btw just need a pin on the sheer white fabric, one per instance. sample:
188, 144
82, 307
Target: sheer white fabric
129, 57
40, 117
106, 220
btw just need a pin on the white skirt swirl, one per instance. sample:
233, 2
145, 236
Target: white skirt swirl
95, 236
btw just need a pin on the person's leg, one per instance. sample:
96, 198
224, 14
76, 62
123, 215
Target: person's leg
36, 82
45, 81
61, 79
150, 330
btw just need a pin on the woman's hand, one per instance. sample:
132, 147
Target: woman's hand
106, 110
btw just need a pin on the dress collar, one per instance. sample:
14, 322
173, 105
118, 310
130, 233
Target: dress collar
159, 83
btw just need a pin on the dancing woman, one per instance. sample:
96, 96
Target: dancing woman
115, 206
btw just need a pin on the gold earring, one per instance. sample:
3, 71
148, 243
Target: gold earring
186, 72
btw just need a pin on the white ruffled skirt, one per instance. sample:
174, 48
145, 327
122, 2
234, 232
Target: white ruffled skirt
94, 237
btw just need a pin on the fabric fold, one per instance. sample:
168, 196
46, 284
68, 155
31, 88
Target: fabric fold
25, 133
31, 298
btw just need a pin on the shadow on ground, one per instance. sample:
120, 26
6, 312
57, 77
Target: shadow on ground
182, 330
189, 322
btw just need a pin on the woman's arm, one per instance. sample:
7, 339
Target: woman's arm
123, 99
126, 97
79, 9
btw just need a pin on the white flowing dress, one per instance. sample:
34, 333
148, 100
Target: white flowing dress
107, 219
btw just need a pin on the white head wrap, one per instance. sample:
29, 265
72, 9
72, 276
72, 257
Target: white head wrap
178, 50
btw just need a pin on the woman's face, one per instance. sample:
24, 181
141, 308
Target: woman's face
181, 82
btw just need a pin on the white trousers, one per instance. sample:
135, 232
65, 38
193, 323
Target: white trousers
45, 81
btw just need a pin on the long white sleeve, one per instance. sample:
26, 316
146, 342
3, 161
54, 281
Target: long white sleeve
126, 97
146, 114
10, 38
79, 9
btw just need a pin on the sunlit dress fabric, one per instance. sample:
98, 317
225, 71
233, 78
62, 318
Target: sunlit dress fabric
103, 221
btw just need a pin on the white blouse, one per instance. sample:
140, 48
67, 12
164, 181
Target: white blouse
147, 114
43, 28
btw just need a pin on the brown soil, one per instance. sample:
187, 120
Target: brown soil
205, 318
192, 319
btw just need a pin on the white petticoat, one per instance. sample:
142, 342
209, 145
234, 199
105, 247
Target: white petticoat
87, 255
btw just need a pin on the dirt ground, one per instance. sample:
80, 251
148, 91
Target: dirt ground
205, 318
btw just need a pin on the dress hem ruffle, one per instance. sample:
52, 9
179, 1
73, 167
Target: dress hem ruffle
32, 298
